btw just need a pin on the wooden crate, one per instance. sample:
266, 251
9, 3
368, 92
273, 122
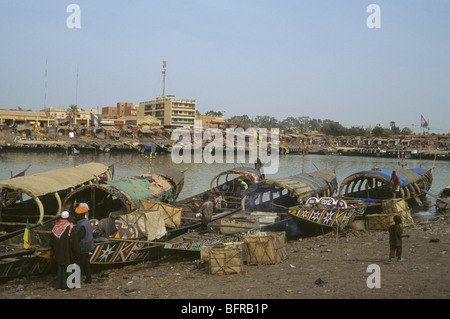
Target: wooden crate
205, 251
266, 248
383, 221
172, 214
380, 221
393, 206
225, 259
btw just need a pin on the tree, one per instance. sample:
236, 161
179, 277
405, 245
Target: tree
266, 121
214, 113
290, 123
406, 131
333, 128
241, 119
72, 111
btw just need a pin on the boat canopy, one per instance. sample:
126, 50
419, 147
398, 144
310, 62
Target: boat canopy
406, 176
298, 188
53, 181
304, 186
376, 184
124, 194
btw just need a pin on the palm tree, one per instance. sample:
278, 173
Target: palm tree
72, 111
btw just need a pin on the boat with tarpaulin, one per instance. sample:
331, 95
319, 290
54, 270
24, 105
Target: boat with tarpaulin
269, 201
117, 241
376, 185
264, 207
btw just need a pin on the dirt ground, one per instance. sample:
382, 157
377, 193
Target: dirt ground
323, 267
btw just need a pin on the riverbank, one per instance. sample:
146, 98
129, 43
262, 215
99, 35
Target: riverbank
316, 268
10, 142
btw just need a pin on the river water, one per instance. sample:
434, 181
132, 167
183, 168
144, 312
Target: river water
198, 175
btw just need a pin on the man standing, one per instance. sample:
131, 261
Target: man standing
64, 243
206, 211
86, 240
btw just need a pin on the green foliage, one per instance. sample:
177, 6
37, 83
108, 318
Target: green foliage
306, 124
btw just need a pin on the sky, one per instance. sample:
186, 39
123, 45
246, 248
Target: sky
315, 58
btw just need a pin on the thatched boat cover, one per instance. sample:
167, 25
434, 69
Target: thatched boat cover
56, 180
406, 176
303, 186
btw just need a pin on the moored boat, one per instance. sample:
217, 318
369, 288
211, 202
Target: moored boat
322, 215
269, 202
226, 189
38, 197
264, 208
116, 240
376, 185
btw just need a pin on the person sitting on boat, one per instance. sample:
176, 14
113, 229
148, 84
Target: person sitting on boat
396, 181
221, 203
241, 186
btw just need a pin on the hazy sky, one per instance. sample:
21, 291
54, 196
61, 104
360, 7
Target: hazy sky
281, 58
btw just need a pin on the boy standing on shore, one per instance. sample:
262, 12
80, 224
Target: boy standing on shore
395, 239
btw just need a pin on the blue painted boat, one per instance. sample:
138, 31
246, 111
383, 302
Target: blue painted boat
376, 185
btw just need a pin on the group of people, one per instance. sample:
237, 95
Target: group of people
72, 241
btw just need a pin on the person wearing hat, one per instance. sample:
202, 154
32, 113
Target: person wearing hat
64, 244
86, 240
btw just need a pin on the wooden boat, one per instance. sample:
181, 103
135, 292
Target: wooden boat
321, 215
119, 242
269, 202
38, 197
124, 195
225, 191
264, 207
375, 185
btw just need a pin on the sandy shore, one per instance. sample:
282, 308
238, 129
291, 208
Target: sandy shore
316, 268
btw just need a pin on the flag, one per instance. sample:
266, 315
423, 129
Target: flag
423, 122
95, 120
26, 236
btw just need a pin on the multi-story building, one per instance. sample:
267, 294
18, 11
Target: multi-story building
170, 111
109, 110
126, 109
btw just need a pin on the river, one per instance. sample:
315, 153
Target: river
198, 176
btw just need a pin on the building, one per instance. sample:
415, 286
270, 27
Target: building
109, 110
207, 120
122, 109
127, 109
170, 111
10, 117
